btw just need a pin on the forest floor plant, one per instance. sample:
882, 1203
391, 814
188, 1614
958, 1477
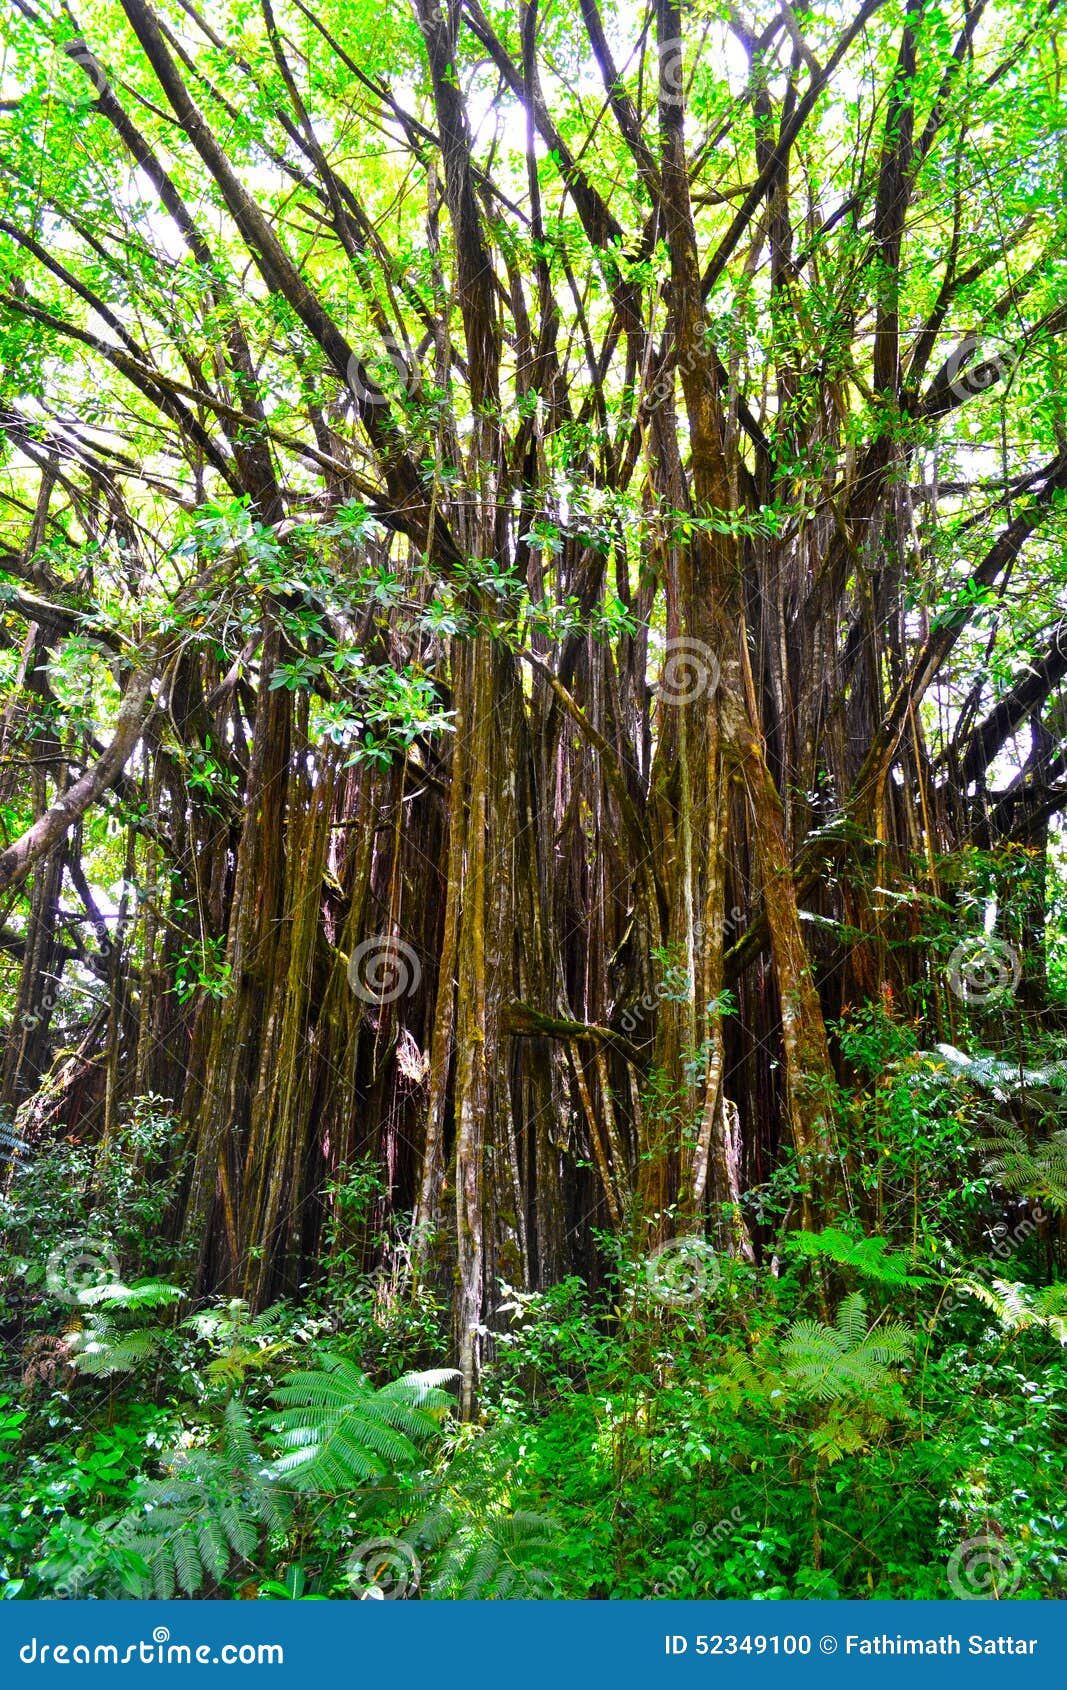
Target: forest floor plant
695, 1423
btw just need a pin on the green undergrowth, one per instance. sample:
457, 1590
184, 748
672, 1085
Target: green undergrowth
872, 1410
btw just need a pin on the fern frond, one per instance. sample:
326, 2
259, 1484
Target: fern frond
188, 1566
213, 1547
434, 1527
331, 1463
11, 1144
337, 1431
1004, 1080
490, 1560
162, 1565
831, 1363
1019, 1309
480, 1550
334, 1384
102, 1355
1051, 1300
1038, 1171
146, 1294
852, 1320
870, 1257
424, 1390
890, 1345
525, 1530
238, 1444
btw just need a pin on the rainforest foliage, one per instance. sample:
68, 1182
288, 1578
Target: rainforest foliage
533, 753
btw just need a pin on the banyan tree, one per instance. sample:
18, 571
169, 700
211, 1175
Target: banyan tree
528, 541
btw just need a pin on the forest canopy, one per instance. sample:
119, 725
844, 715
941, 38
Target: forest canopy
533, 751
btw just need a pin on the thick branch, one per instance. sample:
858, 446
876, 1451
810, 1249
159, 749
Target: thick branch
526, 1022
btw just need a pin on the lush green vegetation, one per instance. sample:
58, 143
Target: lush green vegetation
533, 755
835, 1421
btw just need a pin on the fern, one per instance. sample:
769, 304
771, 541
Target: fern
241, 1359
1017, 1163
846, 1360
246, 1343
1020, 1308
869, 1257
103, 1346
11, 1145
146, 1294
738, 1380
99, 1349
473, 1543
848, 1369
208, 1513
494, 1558
1005, 1080
204, 1520
1038, 1171
338, 1432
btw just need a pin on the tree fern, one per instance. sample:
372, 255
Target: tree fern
1020, 1307
103, 1345
146, 1294
12, 1146
1004, 1080
832, 1363
1037, 1170
338, 1432
869, 1257
738, 1380
97, 1348
1019, 1162
245, 1342
204, 1520
208, 1513
472, 1542
500, 1557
